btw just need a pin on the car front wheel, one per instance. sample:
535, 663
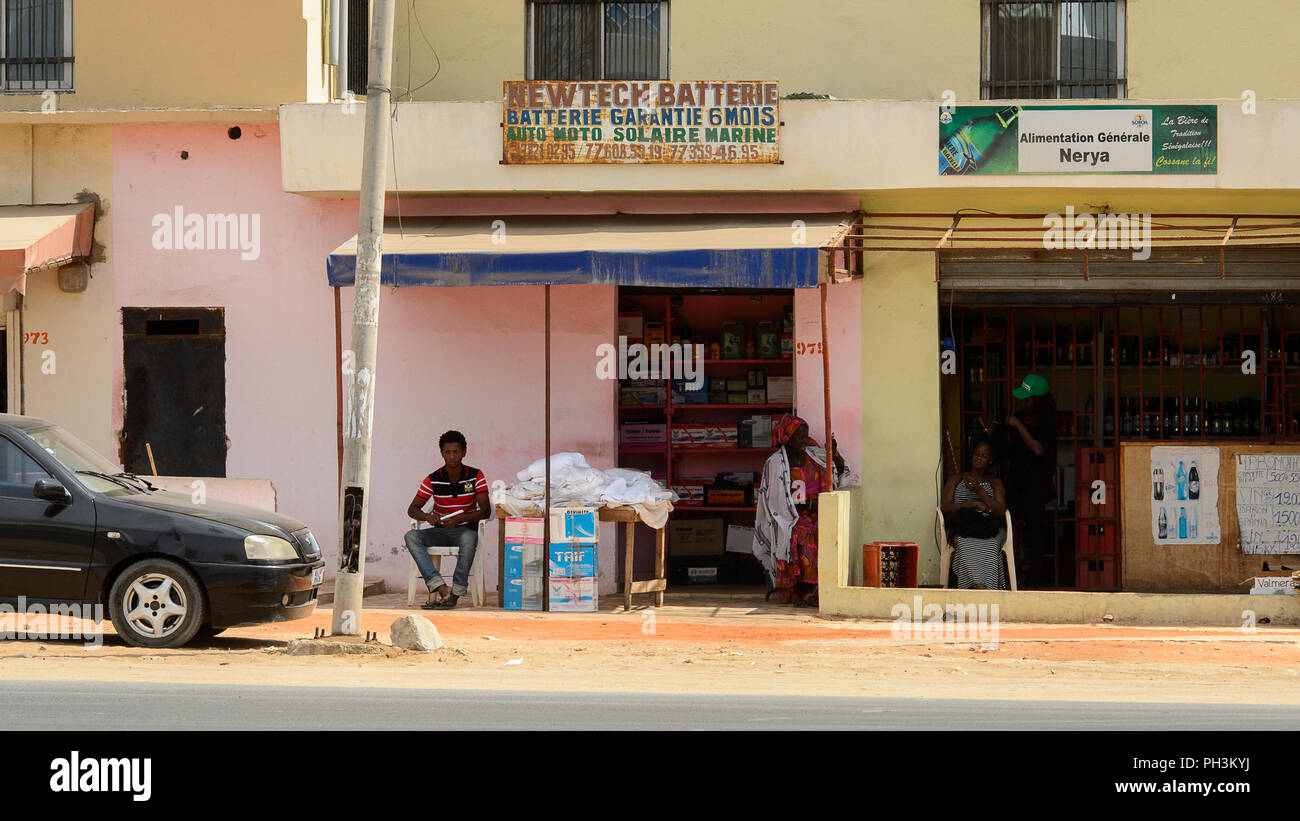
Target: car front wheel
156, 603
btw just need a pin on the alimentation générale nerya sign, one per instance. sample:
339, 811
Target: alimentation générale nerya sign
640, 122
1100, 139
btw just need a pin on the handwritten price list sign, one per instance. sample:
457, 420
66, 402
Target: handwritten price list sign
1268, 502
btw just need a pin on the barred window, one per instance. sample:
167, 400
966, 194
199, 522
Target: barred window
1065, 49
35, 45
587, 40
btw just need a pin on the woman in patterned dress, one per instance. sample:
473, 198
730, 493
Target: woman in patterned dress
977, 561
785, 537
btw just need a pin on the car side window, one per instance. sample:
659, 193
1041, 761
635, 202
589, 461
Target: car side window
18, 471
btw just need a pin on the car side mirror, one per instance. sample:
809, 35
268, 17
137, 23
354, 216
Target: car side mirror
51, 491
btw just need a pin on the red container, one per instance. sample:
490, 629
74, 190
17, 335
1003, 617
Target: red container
1091, 464
889, 564
1096, 538
1098, 573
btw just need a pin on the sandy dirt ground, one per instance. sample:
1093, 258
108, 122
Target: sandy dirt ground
721, 644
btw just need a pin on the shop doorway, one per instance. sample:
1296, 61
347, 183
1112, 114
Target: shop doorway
175, 375
668, 427
1208, 372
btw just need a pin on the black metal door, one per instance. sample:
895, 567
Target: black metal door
175, 363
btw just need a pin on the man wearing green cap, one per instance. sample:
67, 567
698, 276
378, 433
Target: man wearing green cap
1030, 438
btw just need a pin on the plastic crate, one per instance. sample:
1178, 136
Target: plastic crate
889, 564
1098, 573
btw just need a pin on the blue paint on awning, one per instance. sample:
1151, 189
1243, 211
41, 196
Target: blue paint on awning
704, 251
728, 268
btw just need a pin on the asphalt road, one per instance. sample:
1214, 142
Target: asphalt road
128, 706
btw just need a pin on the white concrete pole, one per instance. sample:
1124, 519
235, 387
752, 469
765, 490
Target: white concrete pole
355, 498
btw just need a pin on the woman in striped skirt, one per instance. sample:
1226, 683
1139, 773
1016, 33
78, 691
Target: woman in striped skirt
977, 559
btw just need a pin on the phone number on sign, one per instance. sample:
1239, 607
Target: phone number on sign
598, 152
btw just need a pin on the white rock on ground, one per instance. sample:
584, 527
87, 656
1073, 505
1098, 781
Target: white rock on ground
414, 633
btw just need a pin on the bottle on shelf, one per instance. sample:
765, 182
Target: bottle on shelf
1193, 482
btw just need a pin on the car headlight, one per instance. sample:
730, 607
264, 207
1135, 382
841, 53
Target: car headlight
269, 547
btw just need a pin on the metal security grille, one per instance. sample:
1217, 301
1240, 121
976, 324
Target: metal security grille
358, 45
1066, 49
597, 40
36, 47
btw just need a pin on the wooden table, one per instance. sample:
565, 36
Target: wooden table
625, 514
656, 585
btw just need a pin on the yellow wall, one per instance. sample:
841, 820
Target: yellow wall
70, 162
900, 403
885, 49
1208, 48
187, 54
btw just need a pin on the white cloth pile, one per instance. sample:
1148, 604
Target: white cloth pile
573, 480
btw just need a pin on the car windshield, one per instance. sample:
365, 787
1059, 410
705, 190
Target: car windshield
81, 459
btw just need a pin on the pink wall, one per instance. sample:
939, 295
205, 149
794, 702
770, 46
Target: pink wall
464, 358
844, 306
280, 396
472, 359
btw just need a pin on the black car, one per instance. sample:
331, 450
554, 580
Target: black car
76, 529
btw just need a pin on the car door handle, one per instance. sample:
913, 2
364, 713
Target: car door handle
113, 534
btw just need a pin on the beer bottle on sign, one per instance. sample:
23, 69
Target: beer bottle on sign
1162, 525
963, 152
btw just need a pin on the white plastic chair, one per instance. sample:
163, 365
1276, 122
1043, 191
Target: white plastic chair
946, 550
476, 593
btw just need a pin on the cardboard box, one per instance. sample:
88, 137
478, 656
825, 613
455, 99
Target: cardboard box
654, 333
695, 536
695, 436
738, 398
787, 346
523, 594
642, 396
757, 396
684, 394
734, 494
701, 575
780, 389
690, 491
573, 595
755, 432
571, 561
631, 324
637, 433
523, 560
740, 539
519, 530
737, 385
573, 524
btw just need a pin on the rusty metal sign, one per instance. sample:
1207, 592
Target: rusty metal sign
640, 122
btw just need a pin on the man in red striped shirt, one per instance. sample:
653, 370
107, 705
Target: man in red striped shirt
460, 500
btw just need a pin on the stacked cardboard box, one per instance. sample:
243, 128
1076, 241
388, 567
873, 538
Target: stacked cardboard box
572, 559
524, 571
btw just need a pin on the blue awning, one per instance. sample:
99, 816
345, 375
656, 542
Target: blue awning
706, 251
